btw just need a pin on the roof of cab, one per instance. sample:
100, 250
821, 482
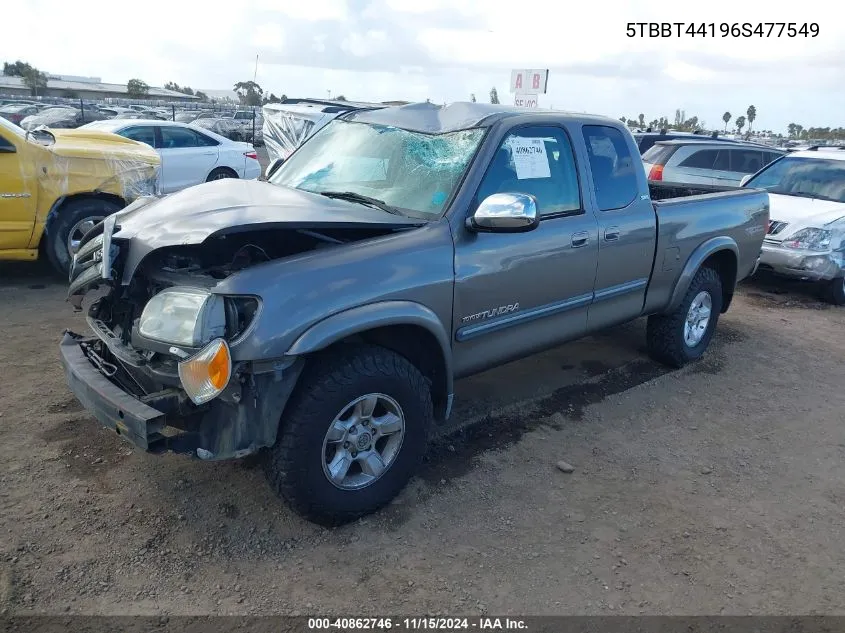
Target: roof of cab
430, 118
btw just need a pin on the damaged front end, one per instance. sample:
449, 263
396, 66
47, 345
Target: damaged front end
163, 363
157, 366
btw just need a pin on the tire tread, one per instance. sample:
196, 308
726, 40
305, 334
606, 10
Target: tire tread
327, 374
664, 345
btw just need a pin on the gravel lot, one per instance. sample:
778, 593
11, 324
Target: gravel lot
713, 489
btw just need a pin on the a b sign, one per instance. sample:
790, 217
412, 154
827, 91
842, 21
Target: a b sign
529, 81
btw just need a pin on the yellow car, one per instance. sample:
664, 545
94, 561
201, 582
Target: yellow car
55, 185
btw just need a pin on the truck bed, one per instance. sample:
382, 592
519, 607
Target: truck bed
667, 190
691, 215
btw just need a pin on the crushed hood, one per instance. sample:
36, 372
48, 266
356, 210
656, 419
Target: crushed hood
91, 143
231, 205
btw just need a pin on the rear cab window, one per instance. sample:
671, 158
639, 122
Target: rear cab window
612, 167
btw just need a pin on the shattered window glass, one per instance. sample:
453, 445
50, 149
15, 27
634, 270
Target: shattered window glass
407, 170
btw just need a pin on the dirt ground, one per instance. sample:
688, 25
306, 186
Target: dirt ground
714, 489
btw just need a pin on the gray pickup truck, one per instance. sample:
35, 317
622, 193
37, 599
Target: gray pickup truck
322, 317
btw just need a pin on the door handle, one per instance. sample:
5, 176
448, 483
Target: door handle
611, 233
580, 239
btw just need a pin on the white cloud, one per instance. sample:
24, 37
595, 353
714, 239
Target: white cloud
447, 49
270, 36
312, 10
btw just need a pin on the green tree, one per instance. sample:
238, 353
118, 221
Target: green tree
201, 95
137, 89
340, 98
472, 98
249, 93
751, 113
726, 117
641, 120
494, 95
172, 85
274, 99
33, 78
740, 123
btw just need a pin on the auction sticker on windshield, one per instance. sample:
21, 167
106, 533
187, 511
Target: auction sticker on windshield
529, 158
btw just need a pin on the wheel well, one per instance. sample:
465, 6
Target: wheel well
61, 202
725, 264
420, 347
223, 168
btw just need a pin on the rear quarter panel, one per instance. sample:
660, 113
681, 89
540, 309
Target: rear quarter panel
685, 224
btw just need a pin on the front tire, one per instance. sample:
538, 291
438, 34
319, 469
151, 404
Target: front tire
684, 335
835, 292
73, 220
352, 435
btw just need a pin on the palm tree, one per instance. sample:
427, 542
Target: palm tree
752, 114
740, 123
641, 120
726, 117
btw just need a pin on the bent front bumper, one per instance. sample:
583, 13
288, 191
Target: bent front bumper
802, 264
136, 421
225, 428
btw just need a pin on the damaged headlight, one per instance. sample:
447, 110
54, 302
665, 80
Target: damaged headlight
811, 239
183, 316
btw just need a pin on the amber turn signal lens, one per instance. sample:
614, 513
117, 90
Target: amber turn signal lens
207, 373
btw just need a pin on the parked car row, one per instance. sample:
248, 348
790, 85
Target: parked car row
806, 237
57, 183
236, 125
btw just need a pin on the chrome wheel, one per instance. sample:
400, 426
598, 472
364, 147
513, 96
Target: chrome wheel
698, 318
363, 441
78, 231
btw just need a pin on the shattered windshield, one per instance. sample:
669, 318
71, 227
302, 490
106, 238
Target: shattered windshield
410, 172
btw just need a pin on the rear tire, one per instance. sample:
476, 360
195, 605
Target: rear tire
73, 219
306, 455
835, 292
680, 337
219, 173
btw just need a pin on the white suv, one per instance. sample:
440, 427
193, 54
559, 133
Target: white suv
706, 162
806, 234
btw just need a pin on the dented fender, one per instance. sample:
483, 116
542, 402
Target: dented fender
369, 317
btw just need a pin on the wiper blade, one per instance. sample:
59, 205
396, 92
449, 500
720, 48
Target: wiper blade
351, 196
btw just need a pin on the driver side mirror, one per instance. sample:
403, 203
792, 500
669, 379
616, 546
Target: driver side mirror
505, 213
744, 180
273, 167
